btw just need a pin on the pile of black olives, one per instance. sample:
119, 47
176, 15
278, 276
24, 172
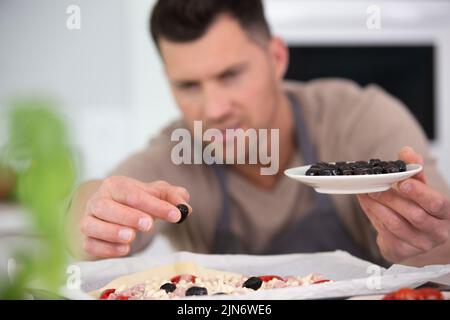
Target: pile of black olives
373, 166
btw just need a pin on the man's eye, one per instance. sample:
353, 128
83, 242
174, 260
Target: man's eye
229, 75
188, 86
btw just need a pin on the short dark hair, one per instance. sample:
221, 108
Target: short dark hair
188, 20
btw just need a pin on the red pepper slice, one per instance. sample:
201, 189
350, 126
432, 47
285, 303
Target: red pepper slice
186, 277
267, 278
321, 281
106, 293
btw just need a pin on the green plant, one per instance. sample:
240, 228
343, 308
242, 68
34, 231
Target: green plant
39, 149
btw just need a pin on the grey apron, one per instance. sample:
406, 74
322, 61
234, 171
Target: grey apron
319, 230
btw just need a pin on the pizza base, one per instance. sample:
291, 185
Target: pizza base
166, 271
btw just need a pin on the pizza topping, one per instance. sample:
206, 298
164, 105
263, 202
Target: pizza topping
373, 166
253, 283
414, 294
321, 281
185, 285
185, 277
168, 287
106, 293
430, 294
196, 291
268, 278
184, 211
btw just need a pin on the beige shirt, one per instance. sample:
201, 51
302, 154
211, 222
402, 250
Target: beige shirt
344, 121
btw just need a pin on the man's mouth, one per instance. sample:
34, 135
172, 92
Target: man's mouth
227, 132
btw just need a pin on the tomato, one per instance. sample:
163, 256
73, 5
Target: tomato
411, 294
430, 294
267, 278
105, 294
402, 294
185, 277
122, 298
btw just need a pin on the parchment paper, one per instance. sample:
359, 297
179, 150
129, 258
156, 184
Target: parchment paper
352, 276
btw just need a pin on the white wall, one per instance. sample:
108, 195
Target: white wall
86, 70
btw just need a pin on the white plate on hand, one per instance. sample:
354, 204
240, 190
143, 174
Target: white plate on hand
352, 184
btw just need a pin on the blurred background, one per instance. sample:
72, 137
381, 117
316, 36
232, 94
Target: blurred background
109, 83
111, 86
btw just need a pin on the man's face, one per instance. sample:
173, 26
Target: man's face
225, 78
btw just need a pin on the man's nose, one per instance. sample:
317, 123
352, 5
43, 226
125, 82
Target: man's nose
217, 104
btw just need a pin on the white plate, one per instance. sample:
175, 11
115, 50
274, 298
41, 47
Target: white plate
352, 184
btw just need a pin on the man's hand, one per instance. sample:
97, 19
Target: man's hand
120, 207
411, 219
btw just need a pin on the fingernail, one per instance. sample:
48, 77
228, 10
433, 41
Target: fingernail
122, 249
174, 215
144, 224
125, 234
375, 195
406, 187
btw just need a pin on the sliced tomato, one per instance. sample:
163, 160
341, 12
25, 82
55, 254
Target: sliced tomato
267, 278
122, 298
321, 281
402, 294
430, 294
411, 294
185, 277
106, 293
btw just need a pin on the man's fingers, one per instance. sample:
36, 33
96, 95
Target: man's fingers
103, 249
395, 224
98, 229
136, 197
409, 210
174, 195
408, 155
432, 201
145, 198
165, 191
109, 210
393, 248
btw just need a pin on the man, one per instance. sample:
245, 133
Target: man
226, 70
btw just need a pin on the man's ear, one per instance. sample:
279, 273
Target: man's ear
280, 56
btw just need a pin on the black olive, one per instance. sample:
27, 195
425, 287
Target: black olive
347, 172
168, 287
390, 168
312, 172
184, 210
377, 170
326, 172
196, 291
401, 165
363, 171
253, 283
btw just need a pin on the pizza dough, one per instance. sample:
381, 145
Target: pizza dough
186, 278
